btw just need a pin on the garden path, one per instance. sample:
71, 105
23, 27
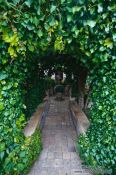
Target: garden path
59, 156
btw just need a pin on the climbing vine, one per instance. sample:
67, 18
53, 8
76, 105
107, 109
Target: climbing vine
98, 146
31, 29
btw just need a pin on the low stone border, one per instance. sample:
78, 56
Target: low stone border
37, 119
79, 118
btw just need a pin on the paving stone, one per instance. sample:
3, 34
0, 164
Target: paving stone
59, 156
58, 163
64, 172
53, 173
67, 163
42, 172
50, 155
66, 155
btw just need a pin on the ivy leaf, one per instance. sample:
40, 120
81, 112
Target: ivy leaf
76, 32
38, 10
100, 8
108, 43
16, 84
69, 9
91, 23
53, 8
24, 24
1, 106
62, 1
31, 48
114, 117
114, 37
30, 27
76, 9
46, 26
69, 40
22, 154
2, 146
52, 21
28, 3
35, 21
74, 28
40, 33
2, 154
3, 76
16, 1
12, 52
20, 166
4, 23
69, 18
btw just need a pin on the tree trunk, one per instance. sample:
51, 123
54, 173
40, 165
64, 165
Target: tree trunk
82, 75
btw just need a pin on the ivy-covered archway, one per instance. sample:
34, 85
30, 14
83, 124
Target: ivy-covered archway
81, 29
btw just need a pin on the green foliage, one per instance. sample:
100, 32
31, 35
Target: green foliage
49, 83
98, 146
12, 119
22, 156
35, 95
82, 29
38, 25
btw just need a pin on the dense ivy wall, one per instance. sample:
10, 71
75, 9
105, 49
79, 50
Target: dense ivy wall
16, 151
83, 29
98, 146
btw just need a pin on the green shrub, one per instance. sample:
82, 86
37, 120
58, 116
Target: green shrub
35, 95
49, 83
22, 156
98, 146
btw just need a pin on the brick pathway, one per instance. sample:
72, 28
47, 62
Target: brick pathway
58, 156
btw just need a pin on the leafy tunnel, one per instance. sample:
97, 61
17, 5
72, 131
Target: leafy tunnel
40, 35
